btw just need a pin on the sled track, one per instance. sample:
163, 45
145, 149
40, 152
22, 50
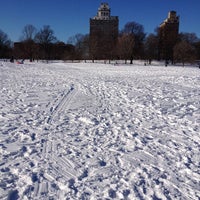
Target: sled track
62, 104
57, 168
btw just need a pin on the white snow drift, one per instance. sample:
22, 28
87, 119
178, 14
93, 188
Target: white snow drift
97, 131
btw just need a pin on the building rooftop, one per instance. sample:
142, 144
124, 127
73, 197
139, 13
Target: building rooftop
104, 13
172, 18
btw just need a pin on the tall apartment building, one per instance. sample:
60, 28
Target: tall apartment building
103, 33
168, 35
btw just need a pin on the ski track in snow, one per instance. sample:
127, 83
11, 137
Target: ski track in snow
97, 131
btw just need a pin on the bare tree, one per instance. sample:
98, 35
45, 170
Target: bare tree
76, 39
151, 47
93, 47
136, 31
125, 46
27, 48
28, 33
184, 52
85, 47
4, 40
190, 38
5, 45
197, 47
45, 35
45, 38
81, 44
193, 40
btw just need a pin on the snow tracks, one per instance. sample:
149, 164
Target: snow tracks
34, 165
94, 131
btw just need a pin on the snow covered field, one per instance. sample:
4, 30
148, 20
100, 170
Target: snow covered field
97, 131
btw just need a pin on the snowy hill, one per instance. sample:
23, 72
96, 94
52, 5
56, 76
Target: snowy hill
97, 131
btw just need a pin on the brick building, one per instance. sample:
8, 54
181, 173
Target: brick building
103, 33
168, 35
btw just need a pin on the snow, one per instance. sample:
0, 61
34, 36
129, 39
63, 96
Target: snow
99, 131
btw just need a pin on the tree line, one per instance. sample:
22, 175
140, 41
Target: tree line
133, 43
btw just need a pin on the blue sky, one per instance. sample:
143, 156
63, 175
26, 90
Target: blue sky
69, 17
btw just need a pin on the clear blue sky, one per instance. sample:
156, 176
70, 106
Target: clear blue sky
69, 17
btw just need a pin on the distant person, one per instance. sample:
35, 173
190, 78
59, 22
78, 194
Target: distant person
12, 59
166, 63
